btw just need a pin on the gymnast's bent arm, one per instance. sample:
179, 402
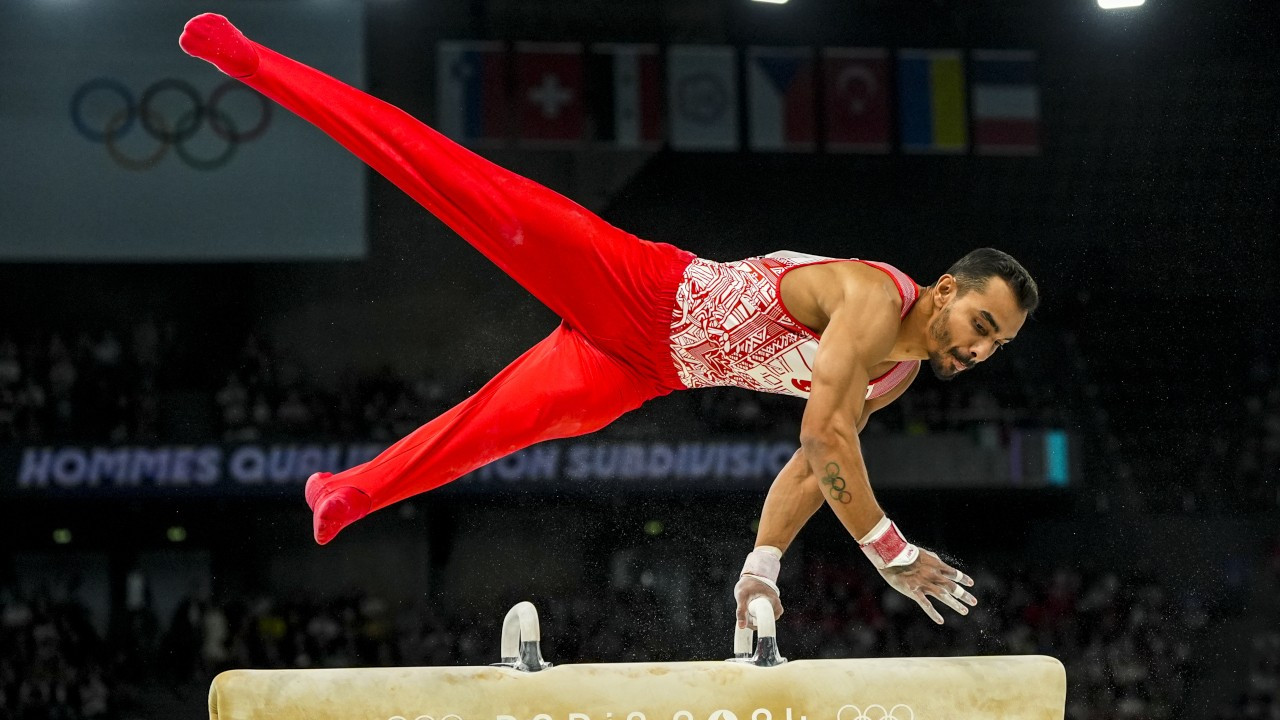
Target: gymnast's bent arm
794, 496
853, 341
858, 335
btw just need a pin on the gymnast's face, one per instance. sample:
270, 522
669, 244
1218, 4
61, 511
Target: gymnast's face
969, 327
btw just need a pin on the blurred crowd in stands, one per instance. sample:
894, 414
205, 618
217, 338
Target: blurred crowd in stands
140, 384
1257, 695
1259, 699
123, 385
1129, 644
1228, 465
269, 395
53, 663
101, 386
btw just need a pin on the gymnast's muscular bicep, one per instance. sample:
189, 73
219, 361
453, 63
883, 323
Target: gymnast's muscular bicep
860, 334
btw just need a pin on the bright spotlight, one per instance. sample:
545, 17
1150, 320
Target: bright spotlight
773, 2
1117, 4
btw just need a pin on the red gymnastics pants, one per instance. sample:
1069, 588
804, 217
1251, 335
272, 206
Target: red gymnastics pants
614, 291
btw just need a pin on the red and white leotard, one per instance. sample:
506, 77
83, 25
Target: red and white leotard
730, 327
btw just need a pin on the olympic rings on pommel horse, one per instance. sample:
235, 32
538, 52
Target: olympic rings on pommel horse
750, 686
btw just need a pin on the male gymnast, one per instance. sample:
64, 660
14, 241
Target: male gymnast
642, 319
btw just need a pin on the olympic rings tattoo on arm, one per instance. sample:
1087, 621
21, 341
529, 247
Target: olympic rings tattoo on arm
835, 484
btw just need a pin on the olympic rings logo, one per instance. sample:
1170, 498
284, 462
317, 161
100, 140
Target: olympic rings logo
877, 712
172, 129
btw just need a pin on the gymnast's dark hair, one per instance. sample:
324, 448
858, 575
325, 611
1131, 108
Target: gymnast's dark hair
973, 270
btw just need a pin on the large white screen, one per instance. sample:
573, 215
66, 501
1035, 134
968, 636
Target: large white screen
273, 189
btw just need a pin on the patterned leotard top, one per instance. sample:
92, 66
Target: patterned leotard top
729, 327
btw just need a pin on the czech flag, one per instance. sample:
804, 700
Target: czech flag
471, 81
780, 86
1006, 102
931, 101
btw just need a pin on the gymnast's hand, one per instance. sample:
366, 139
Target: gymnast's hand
930, 576
749, 588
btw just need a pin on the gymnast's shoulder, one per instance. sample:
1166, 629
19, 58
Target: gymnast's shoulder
814, 293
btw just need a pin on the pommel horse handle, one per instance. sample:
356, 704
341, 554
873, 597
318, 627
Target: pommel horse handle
522, 639
766, 651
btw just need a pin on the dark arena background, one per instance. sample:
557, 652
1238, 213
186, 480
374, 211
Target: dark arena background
206, 300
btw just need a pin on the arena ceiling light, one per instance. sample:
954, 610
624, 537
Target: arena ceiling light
1118, 4
772, 2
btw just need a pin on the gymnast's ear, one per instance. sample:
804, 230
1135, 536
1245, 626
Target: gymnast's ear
944, 290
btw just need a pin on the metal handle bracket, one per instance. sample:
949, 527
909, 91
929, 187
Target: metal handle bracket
522, 640
766, 651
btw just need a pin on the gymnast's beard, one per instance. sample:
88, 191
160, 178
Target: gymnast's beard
940, 361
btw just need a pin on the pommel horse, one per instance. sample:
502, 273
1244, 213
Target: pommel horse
759, 685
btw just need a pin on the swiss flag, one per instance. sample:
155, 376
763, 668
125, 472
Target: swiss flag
856, 88
549, 83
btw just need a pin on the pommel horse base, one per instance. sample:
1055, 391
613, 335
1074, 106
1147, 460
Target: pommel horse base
760, 686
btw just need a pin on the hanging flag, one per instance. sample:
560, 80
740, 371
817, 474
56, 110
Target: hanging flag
855, 83
626, 95
931, 101
781, 98
471, 82
702, 94
1006, 102
549, 83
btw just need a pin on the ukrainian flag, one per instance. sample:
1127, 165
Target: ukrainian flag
931, 101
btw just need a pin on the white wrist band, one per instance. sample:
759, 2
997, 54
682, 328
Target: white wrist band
769, 550
885, 547
763, 564
763, 581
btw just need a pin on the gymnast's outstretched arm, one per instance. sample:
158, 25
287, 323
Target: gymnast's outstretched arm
793, 498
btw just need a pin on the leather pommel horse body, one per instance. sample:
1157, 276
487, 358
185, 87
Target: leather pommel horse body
762, 686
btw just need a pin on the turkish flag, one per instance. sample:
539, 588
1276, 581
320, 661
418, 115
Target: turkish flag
856, 88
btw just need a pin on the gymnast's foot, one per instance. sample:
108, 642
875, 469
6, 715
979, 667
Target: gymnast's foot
212, 37
333, 508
